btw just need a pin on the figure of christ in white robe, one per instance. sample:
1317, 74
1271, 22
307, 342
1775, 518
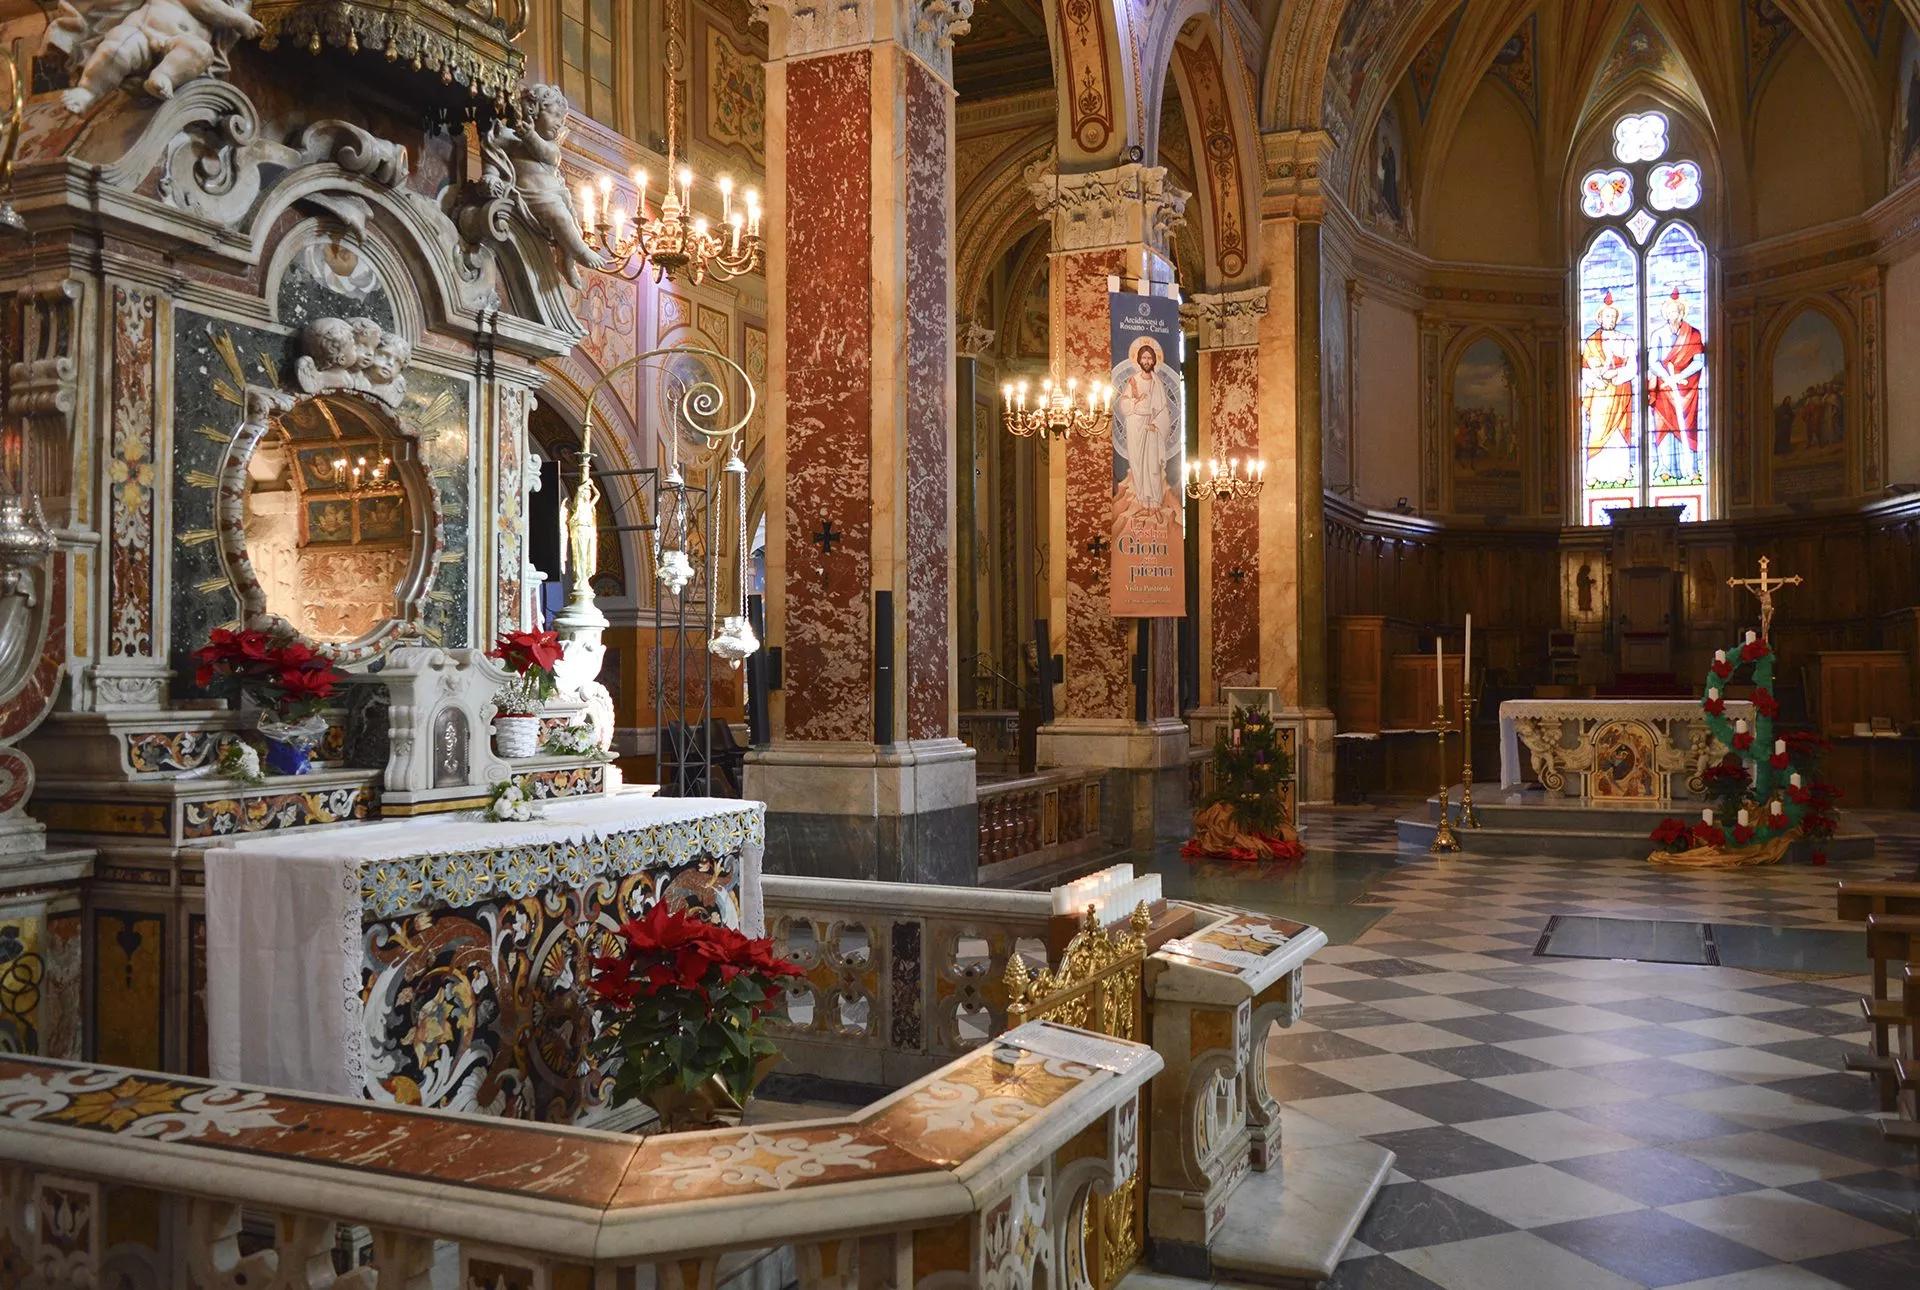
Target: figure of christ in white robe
1146, 430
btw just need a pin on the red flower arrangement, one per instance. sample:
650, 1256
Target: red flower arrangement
1722, 668
679, 1005
1742, 740
1708, 835
1764, 703
1713, 707
1672, 834
285, 677
531, 656
1755, 649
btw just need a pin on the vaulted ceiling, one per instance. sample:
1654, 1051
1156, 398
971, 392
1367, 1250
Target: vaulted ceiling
1005, 52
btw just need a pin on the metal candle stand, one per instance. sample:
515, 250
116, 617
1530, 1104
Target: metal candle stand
1443, 838
1469, 819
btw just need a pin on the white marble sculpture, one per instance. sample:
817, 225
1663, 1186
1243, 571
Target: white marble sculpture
353, 354
523, 164
172, 41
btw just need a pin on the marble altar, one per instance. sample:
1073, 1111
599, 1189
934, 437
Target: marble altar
444, 965
1610, 751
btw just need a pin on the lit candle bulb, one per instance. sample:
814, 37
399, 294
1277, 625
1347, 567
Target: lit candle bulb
686, 186
733, 225
753, 213
587, 206
726, 196
640, 192
1006, 393
700, 227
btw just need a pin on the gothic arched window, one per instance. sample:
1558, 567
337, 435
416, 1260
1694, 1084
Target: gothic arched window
1642, 323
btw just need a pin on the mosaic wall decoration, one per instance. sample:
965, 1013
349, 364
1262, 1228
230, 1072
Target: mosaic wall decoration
131, 474
736, 97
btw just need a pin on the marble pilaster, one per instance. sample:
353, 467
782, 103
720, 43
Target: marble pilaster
1106, 224
862, 767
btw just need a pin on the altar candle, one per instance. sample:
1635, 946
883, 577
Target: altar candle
1466, 658
1794, 779
1751, 637
1719, 656
1439, 676
1062, 900
1713, 691
1779, 747
1773, 807
1740, 726
1742, 817
1706, 816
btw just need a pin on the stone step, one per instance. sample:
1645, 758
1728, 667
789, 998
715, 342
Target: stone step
1290, 1225
1536, 824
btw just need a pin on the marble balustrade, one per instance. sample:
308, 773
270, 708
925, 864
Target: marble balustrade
987, 1166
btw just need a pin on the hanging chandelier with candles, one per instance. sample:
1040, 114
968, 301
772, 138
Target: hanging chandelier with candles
1059, 412
1225, 481
358, 475
673, 241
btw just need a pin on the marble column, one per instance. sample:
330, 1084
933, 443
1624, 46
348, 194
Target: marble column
1292, 591
1106, 224
1228, 326
863, 777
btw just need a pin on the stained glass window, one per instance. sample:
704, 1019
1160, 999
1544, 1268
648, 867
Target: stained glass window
1642, 326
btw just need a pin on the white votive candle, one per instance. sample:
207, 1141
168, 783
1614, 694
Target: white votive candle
1742, 817
1794, 779
1713, 691
1752, 637
1062, 900
1740, 726
1719, 656
1779, 747
1706, 816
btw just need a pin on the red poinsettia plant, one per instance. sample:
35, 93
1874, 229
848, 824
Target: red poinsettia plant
531, 656
679, 1005
281, 675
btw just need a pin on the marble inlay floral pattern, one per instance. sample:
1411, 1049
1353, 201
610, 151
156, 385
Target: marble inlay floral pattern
260, 812
1099, 680
509, 501
600, 1172
158, 750
1233, 414
131, 471
929, 401
1221, 174
828, 648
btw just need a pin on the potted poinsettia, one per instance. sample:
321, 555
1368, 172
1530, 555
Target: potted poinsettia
679, 1004
287, 679
531, 656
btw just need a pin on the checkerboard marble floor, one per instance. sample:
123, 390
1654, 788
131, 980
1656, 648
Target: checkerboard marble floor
1570, 1123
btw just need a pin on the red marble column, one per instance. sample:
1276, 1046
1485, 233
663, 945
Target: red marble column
1229, 401
863, 776
1105, 224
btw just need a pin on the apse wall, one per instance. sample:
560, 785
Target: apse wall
1486, 199
1808, 163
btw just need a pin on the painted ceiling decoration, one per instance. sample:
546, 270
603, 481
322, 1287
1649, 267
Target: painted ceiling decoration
1766, 31
1430, 60
1516, 65
1640, 47
1870, 16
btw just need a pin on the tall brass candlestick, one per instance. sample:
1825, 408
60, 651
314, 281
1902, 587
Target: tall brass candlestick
1443, 838
1469, 819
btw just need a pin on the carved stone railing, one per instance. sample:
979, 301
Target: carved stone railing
900, 978
994, 736
1040, 820
986, 1170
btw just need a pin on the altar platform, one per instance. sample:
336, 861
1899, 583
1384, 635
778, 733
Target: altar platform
1535, 822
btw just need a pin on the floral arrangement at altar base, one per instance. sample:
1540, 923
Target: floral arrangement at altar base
287, 679
679, 1004
575, 740
531, 656
510, 804
1765, 792
1244, 818
239, 760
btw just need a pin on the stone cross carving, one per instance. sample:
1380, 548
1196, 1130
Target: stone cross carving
1763, 587
353, 354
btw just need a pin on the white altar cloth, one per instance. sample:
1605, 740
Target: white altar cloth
287, 916
1514, 767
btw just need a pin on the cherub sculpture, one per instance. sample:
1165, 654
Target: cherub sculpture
112, 40
353, 354
523, 160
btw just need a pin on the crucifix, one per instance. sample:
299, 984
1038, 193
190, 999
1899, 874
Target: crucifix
1764, 586
826, 537
1097, 547
1236, 573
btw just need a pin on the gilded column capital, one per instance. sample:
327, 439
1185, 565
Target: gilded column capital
1125, 205
927, 28
1226, 319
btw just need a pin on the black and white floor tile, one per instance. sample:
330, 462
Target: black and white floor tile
1563, 1123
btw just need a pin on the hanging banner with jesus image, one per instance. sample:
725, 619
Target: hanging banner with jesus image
1149, 437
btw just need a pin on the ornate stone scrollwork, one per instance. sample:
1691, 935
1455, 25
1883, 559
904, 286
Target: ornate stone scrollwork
353, 354
1227, 319
172, 41
971, 339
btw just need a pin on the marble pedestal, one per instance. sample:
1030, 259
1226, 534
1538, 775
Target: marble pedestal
1146, 792
903, 812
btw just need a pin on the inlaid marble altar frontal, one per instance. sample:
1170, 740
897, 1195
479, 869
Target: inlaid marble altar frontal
446, 967
1638, 752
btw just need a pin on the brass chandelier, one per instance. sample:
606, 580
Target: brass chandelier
674, 241
1059, 412
1226, 481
